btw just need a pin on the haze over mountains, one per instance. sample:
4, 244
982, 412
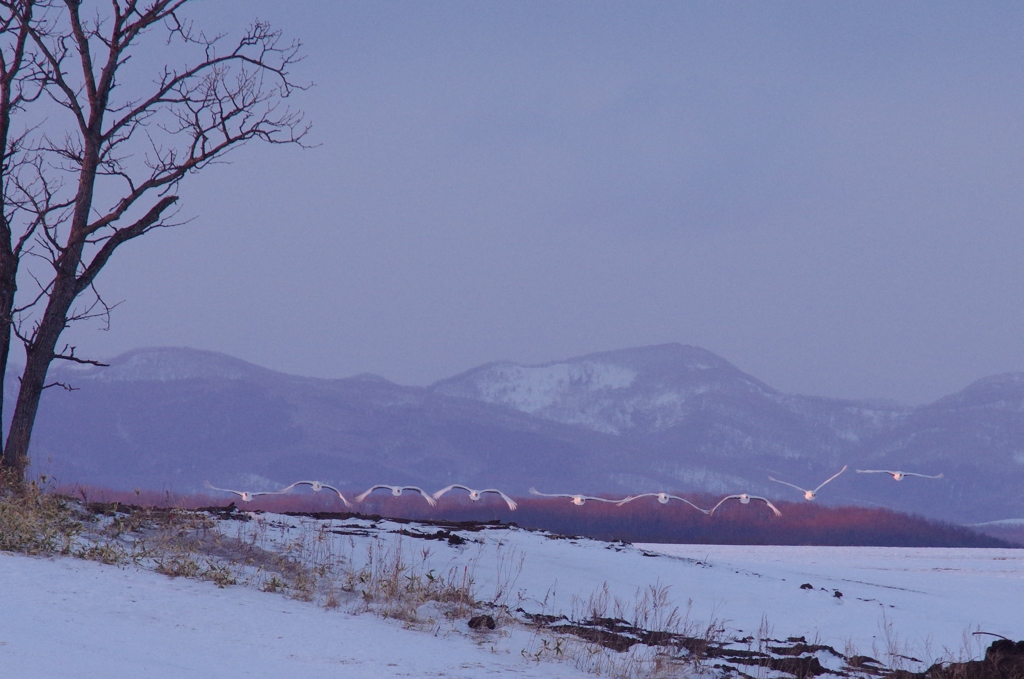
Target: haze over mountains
667, 417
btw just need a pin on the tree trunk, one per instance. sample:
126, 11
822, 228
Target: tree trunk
10, 72
6, 304
39, 353
37, 363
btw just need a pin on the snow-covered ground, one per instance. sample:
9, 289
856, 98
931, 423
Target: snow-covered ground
930, 599
80, 619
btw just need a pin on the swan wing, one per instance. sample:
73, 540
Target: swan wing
447, 488
509, 501
831, 478
722, 502
362, 496
265, 492
340, 496
770, 505
426, 496
676, 497
787, 483
636, 497
223, 490
534, 491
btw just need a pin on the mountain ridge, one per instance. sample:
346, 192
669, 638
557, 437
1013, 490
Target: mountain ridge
653, 382
662, 417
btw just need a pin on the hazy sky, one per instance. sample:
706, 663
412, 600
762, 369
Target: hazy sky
829, 195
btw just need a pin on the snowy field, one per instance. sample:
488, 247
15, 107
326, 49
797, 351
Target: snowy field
929, 599
79, 619
74, 618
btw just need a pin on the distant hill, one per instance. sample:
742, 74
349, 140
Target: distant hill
173, 418
696, 422
667, 417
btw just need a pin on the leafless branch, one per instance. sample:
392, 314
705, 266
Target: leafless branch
68, 354
63, 385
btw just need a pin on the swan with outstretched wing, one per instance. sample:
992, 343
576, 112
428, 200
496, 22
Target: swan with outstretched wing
663, 498
745, 500
397, 492
474, 495
897, 476
317, 486
809, 494
577, 500
246, 495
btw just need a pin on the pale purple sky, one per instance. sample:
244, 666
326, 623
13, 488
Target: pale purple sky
829, 195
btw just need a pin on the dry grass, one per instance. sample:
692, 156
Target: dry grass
391, 580
642, 637
34, 522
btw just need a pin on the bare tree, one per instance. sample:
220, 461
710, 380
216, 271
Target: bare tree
94, 151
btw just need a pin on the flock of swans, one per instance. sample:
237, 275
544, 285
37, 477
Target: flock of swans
576, 499
396, 491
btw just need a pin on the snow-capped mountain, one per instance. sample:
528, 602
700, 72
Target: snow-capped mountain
693, 414
696, 421
649, 389
667, 417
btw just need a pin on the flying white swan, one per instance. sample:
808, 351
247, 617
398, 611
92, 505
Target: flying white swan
663, 498
577, 500
397, 491
809, 494
897, 476
744, 500
246, 495
474, 495
317, 486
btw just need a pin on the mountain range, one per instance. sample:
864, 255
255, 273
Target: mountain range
666, 417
